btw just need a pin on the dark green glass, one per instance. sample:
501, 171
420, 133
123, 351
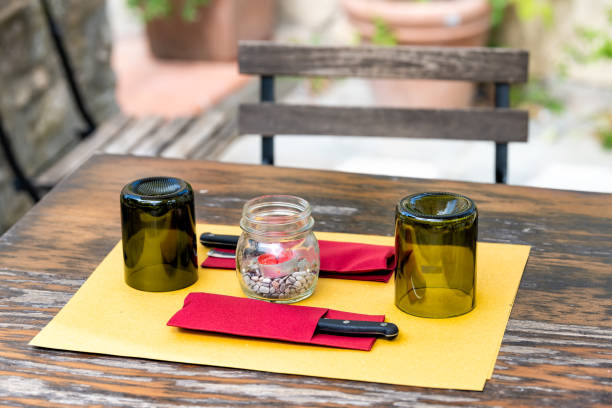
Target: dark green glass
158, 232
435, 243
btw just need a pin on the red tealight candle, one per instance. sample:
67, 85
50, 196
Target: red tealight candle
273, 266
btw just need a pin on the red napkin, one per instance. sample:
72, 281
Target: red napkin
341, 260
256, 318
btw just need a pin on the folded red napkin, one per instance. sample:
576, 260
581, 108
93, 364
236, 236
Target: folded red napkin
256, 318
342, 260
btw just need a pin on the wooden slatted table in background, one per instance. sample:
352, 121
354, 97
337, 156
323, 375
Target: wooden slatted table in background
202, 137
557, 349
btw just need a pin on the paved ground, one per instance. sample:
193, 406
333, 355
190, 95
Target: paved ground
146, 86
562, 151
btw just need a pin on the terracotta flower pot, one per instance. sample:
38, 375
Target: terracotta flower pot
215, 32
436, 23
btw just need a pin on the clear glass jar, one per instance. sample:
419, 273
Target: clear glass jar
277, 258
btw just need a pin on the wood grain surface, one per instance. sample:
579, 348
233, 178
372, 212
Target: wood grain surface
500, 125
478, 64
557, 349
200, 137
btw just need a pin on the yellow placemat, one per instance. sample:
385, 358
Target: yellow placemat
106, 316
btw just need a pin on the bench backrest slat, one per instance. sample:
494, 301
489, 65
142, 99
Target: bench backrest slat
499, 125
476, 64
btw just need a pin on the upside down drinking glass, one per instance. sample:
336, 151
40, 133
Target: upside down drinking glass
435, 241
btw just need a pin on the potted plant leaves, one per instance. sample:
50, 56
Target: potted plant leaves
204, 29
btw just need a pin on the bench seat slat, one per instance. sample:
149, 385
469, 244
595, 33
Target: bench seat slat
197, 134
141, 129
83, 151
161, 138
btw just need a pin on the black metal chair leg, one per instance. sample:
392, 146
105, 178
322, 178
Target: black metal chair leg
502, 100
501, 162
58, 42
22, 182
267, 141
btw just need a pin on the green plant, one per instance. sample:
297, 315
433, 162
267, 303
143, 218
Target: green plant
383, 34
535, 93
153, 9
593, 44
526, 10
605, 135
603, 129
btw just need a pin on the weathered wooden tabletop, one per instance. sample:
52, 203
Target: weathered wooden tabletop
557, 349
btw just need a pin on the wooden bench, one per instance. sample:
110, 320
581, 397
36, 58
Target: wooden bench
499, 66
198, 137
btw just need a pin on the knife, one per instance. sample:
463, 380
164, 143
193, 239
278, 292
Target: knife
219, 241
331, 326
214, 253
386, 330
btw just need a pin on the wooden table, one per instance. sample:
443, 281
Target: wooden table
557, 349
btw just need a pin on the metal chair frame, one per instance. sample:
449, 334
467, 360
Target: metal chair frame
22, 182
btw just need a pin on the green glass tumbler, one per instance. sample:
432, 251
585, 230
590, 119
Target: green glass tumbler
158, 233
435, 244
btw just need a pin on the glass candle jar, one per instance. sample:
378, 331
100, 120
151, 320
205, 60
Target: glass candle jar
277, 257
435, 243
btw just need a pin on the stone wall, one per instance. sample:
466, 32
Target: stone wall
35, 104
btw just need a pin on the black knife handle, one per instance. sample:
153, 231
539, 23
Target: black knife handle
358, 328
219, 241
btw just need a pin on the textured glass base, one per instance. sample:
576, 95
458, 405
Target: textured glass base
158, 234
302, 296
436, 302
161, 278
